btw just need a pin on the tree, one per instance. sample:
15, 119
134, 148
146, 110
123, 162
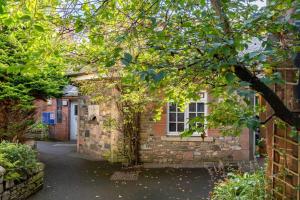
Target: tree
31, 64
183, 46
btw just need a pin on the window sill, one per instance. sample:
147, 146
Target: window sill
172, 138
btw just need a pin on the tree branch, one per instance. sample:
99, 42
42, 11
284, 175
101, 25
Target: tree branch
268, 119
269, 95
243, 73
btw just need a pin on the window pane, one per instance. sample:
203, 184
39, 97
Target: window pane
58, 116
200, 114
192, 115
180, 117
172, 127
180, 127
58, 102
200, 107
172, 117
192, 107
172, 107
75, 110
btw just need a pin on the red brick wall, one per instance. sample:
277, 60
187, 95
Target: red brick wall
60, 131
154, 148
160, 127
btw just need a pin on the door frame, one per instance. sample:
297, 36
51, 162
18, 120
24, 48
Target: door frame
72, 101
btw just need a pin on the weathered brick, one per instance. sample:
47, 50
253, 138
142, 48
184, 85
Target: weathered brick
189, 155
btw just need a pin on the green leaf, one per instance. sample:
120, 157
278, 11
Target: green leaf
244, 84
8, 21
253, 123
230, 77
202, 2
126, 60
158, 77
86, 7
293, 133
120, 38
2, 4
25, 18
39, 28
153, 20
14, 69
78, 26
187, 133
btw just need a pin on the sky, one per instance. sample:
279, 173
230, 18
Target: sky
261, 3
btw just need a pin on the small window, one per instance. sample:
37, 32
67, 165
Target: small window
75, 110
178, 120
196, 110
59, 102
58, 110
59, 116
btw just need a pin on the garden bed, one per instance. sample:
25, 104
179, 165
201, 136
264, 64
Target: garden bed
18, 190
21, 174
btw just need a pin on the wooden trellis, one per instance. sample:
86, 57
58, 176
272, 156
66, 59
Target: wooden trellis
285, 161
285, 165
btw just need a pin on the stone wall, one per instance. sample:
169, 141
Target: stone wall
157, 147
98, 132
12, 190
175, 150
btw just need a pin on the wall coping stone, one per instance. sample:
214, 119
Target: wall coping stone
189, 164
186, 139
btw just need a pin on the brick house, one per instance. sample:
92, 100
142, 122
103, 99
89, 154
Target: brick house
160, 142
64, 112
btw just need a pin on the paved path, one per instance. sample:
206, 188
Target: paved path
69, 176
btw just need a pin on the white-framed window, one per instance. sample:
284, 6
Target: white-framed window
178, 120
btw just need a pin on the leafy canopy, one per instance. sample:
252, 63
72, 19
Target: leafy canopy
180, 47
31, 55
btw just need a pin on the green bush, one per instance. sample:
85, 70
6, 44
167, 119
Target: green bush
247, 186
38, 126
37, 131
19, 160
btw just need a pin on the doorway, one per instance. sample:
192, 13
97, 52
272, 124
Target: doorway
73, 120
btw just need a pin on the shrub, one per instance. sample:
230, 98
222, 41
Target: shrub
19, 160
37, 131
38, 126
247, 186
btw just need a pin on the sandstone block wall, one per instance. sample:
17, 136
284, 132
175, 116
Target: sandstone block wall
174, 150
156, 146
98, 130
12, 190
